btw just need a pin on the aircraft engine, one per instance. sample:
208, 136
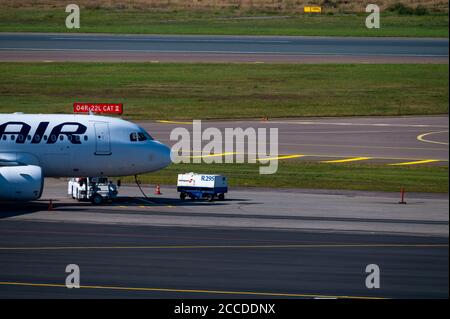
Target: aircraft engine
21, 183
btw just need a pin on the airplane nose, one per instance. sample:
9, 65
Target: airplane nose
163, 155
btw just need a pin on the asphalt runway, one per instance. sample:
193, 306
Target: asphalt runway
309, 210
258, 243
169, 48
415, 140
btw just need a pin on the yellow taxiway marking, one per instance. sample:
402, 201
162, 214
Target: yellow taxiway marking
196, 291
414, 163
345, 160
211, 155
259, 159
280, 157
359, 124
422, 139
328, 156
228, 247
366, 146
173, 122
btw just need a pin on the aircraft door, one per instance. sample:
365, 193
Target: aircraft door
102, 139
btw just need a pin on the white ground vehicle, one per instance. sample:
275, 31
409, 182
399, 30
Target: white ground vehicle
198, 186
95, 189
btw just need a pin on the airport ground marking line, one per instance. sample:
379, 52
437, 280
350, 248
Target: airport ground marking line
422, 139
366, 146
282, 157
153, 39
196, 291
225, 52
346, 160
354, 146
228, 247
414, 163
344, 156
173, 122
357, 124
211, 155
359, 146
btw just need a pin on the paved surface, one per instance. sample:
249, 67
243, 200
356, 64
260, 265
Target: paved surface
164, 48
256, 244
166, 262
390, 140
425, 215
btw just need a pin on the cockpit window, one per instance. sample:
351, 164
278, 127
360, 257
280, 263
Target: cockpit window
148, 136
140, 136
143, 137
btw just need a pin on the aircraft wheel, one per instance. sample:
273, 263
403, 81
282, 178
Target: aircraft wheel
97, 199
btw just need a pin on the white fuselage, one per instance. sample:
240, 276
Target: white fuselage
79, 145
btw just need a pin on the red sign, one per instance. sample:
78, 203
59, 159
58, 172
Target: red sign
109, 108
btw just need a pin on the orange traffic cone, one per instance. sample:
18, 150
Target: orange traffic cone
50, 205
158, 190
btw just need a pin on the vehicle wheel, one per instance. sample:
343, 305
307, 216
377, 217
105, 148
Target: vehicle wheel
97, 199
221, 196
210, 198
182, 196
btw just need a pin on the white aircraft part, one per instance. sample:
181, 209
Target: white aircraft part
72, 146
21, 183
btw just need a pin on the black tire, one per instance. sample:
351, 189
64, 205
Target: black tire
221, 196
210, 197
182, 196
97, 199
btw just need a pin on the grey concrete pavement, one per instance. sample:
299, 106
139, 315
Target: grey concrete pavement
259, 243
392, 140
101, 47
122, 261
349, 212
